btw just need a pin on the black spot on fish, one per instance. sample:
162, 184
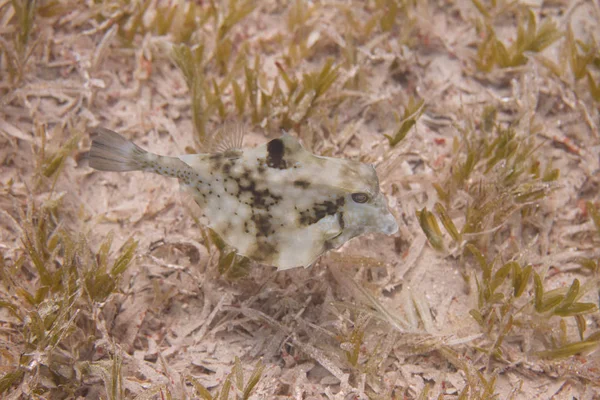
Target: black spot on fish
264, 251
319, 211
262, 223
227, 165
275, 152
247, 189
301, 183
216, 161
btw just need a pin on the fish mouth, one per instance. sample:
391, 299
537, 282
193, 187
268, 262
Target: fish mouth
390, 225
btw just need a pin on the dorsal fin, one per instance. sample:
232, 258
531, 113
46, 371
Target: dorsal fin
229, 137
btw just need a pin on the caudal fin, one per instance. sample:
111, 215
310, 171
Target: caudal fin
112, 152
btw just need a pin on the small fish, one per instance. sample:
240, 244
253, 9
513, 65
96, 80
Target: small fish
277, 203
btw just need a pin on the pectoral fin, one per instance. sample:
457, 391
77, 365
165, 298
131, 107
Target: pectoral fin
329, 227
303, 248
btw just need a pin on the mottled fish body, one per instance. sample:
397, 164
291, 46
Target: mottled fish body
277, 204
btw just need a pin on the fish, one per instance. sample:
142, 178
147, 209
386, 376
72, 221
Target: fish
277, 203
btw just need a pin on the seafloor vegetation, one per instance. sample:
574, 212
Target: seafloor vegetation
481, 116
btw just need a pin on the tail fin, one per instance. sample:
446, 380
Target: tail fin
112, 152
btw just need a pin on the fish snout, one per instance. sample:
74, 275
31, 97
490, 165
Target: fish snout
386, 222
389, 225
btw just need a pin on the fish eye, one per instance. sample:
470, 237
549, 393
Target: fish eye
360, 197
